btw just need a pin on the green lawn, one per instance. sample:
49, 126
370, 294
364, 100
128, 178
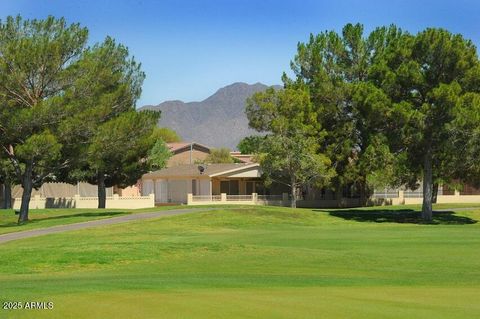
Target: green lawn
257, 262
41, 218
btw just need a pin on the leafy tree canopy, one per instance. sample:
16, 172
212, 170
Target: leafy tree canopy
220, 156
159, 155
250, 144
166, 134
38, 60
289, 152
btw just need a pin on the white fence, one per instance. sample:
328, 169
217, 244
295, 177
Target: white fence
115, 201
416, 197
385, 193
237, 198
253, 199
379, 198
272, 200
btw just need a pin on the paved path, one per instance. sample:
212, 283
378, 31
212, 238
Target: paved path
95, 223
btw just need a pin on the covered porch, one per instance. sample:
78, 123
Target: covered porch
236, 186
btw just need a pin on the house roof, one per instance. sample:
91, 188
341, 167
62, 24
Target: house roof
245, 158
185, 146
192, 170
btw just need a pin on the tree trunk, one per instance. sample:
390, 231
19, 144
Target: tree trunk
294, 192
435, 193
27, 184
7, 195
102, 192
427, 187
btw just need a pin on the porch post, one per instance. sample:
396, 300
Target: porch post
457, 194
189, 199
211, 190
401, 197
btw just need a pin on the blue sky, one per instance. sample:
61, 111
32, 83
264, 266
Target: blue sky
189, 49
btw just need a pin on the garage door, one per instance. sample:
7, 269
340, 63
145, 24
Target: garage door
161, 191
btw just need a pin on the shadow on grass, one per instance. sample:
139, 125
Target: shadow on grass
403, 216
93, 214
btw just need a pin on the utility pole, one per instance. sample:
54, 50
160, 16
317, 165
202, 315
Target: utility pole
191, 151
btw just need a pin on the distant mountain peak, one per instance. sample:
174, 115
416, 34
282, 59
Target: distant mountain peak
217, 121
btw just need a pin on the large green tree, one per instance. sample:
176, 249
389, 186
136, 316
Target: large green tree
289, 153
37, 68
118, 152
59, 98
389, 103
348, 109
113, 139
429, 79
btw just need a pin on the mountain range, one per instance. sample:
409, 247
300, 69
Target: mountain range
217, 121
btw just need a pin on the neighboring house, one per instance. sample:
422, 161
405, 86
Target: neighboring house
191, 153
173, 184
187, 153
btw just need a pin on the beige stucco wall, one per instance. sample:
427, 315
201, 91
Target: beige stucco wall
447, 199
114, 201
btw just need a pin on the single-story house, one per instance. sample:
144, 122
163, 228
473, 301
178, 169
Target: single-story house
173, 184
183, 153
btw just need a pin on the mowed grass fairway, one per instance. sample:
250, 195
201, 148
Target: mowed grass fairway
257, 262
